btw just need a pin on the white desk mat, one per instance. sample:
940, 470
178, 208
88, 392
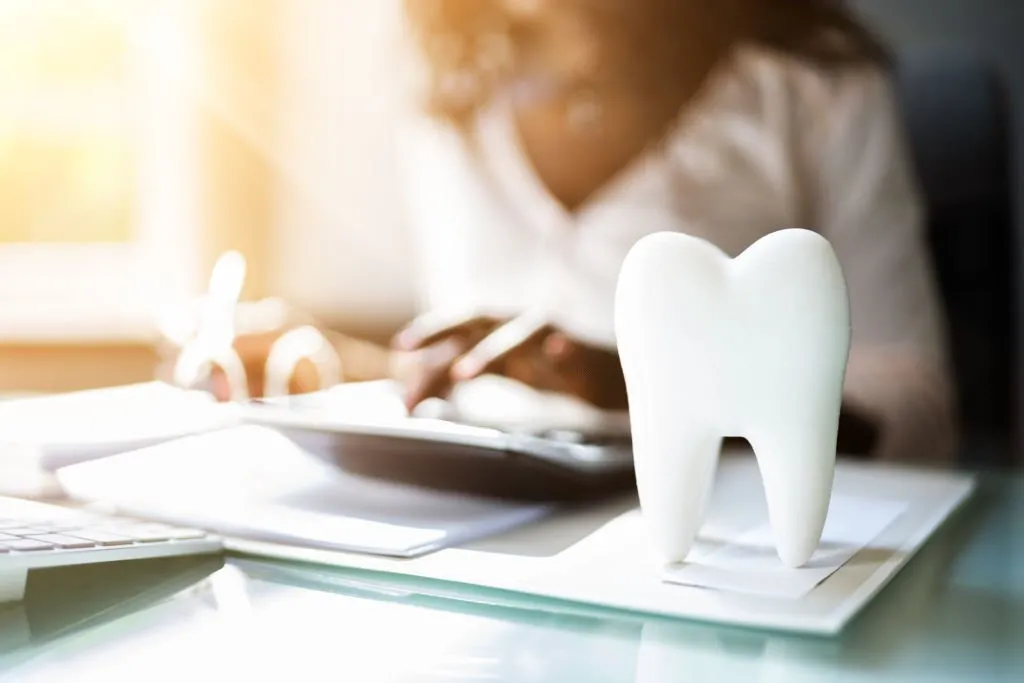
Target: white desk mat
600, 556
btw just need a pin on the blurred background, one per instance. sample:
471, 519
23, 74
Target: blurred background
140, 139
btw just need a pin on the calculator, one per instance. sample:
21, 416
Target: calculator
513, 461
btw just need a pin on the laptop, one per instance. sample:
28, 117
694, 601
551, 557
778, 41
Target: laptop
36, 535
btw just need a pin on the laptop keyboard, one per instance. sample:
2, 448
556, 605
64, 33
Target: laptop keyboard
86, 531
36, 535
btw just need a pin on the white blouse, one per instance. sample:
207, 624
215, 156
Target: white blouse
770, 144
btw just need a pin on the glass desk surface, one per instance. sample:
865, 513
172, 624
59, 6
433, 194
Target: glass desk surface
955, 613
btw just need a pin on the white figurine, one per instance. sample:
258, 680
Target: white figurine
752, 347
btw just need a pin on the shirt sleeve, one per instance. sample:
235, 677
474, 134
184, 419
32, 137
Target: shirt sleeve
868, 206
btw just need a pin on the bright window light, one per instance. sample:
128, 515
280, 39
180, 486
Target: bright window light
97, 166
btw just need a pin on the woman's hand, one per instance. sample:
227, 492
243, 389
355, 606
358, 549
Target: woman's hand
547, 359
303, 355
538, 355
427, 350
259, 326
254, 350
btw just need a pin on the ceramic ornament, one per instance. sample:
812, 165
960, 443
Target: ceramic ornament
753, 347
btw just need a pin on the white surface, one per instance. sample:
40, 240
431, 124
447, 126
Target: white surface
255, 483
61, 429
752, 347
747, 563
599, 556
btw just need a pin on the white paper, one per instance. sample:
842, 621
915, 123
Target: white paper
66, 428
253, 482
601, 556
749, 564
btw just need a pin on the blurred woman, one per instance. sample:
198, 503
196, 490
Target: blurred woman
553, 134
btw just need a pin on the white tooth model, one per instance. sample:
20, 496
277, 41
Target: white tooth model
752, 347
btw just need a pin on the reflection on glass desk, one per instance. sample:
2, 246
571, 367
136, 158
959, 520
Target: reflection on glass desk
955, 613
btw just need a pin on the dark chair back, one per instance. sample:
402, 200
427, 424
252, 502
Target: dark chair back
957, 118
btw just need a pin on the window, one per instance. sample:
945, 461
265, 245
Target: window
97, 166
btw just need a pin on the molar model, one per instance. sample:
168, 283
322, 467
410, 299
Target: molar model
753, 347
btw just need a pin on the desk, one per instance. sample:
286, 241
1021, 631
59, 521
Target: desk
956, 613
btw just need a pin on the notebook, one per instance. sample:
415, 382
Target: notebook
253, 482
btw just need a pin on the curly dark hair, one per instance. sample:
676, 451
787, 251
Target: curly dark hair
471, 45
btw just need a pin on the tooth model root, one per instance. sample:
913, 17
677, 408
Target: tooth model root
675, 520
787, 462
754, 347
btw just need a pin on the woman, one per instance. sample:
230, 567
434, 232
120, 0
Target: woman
555, 133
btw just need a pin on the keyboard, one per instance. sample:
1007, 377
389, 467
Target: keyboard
37, 535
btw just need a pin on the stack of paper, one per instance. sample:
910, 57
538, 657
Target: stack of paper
252, 482
62, 429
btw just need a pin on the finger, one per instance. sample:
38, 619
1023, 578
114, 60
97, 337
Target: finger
520, 335
254, 348
305, 378
430, 329
432, 384
219, 386
432, 377
559, 347
533, 370
596, 375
